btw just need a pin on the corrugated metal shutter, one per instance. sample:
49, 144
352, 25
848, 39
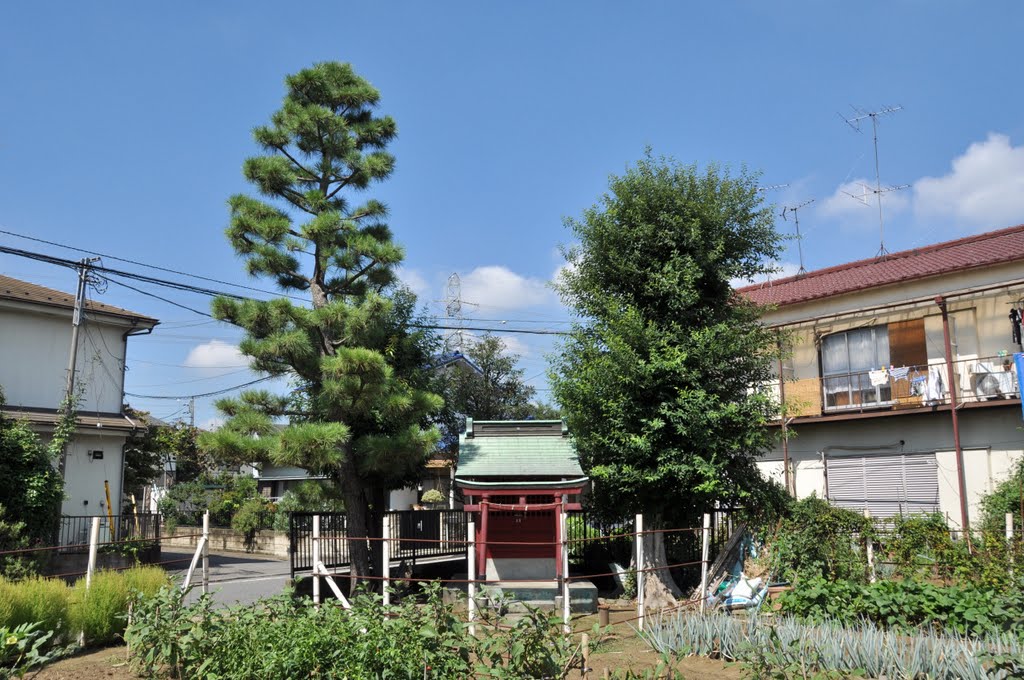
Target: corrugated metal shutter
886, 484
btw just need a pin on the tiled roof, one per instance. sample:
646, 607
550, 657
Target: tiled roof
518, 455
23, 291
994, 247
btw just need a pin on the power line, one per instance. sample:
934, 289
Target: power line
177, 285
205, 394
143, 264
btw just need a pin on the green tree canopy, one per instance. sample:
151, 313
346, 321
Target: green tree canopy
655, 378
31, 489
363, 410
497, 391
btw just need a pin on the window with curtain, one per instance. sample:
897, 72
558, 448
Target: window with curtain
846, 359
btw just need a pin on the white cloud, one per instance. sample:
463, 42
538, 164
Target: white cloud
497, 287
211, 424
216, 354
854, 202
416, 282
515, 345
984, 187
781, 270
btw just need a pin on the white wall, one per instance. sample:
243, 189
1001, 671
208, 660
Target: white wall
989, 437
84, 475
35, 350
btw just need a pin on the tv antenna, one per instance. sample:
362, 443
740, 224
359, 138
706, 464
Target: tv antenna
878, 189
772, 187
795, 209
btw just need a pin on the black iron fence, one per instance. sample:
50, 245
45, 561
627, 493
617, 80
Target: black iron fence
417, 533
117, 529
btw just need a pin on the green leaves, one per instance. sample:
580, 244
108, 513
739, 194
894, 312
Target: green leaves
655, 378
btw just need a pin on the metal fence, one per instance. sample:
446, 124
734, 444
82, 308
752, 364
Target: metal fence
417, 534
74, 530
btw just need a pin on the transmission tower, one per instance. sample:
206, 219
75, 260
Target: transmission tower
453, 311
878, 190
795, 209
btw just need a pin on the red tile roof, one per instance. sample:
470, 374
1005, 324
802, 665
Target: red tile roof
23, 291
972, 252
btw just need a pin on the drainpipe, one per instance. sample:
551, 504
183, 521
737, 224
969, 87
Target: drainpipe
961, 480
782, 416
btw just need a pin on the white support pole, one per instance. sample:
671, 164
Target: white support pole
200, 547
385, 567
316, 559
206, 551
319, 568
94, 541
869, 550
471, 571
1009, 535
640, 570
705, 549
563, 529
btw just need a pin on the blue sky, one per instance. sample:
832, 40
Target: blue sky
123, 127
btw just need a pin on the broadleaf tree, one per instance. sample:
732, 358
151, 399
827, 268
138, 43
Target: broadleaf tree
655, 376
361, 411
494, 388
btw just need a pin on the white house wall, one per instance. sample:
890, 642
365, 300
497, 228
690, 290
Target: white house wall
84, 490
34, 366
989, 435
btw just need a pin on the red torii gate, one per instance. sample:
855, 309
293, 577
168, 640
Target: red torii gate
520, 519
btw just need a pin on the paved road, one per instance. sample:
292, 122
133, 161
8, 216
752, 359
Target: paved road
235, 578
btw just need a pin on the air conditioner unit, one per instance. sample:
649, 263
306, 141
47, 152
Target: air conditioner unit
986, 386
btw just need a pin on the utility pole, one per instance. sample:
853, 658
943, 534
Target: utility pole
76, 323
192, 412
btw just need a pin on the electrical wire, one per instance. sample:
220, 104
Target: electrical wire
204, 394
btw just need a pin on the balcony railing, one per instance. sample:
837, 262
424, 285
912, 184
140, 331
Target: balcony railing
985, 379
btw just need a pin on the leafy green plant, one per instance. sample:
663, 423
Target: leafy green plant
23, 648
819, 539
248, 519
284, 638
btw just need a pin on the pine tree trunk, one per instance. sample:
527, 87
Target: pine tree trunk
660, 589
356, 521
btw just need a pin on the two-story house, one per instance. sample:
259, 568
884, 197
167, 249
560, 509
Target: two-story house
35, 345
876, 354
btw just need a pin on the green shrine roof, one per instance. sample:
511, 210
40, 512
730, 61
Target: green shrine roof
539, 449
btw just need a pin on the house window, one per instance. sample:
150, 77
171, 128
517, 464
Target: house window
846, 360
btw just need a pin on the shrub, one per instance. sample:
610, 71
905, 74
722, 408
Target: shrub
906, 605
36, 600
818, 539
307, 496
280, 638
145, 580
100, 611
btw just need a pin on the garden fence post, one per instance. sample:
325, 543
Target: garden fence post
705, 549
640, 570
564, 531
471, 571
316, 559
1009, 535
385, 552
94, 541
206, 551
869, 549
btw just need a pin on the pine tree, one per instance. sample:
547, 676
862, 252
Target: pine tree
361, 411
